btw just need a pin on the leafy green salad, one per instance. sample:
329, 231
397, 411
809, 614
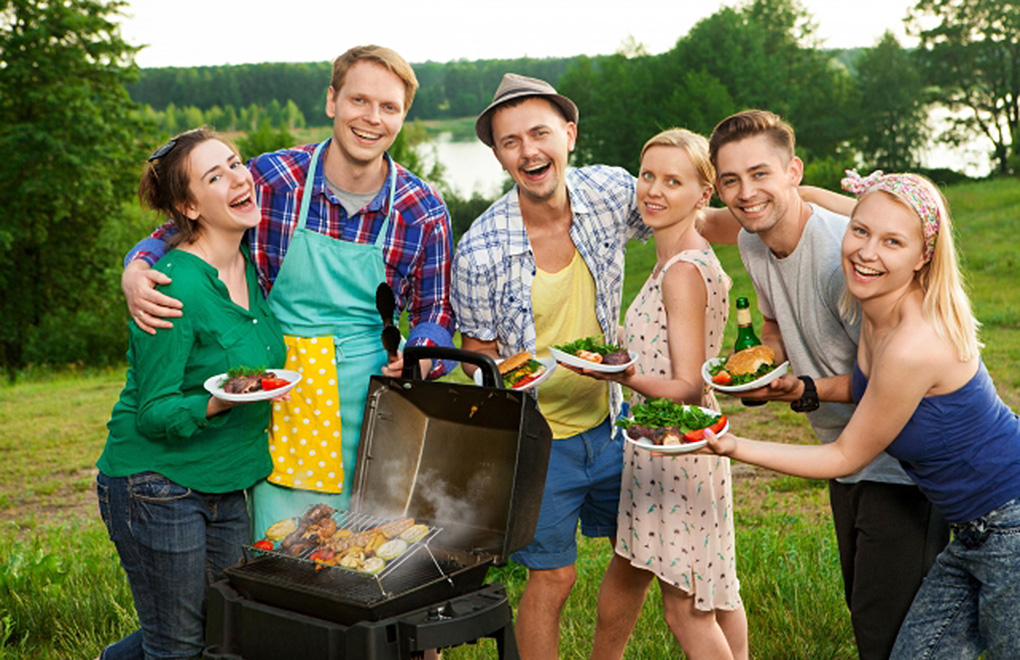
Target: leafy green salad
660, 413
591, 344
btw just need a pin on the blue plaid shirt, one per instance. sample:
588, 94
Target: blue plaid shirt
493, 267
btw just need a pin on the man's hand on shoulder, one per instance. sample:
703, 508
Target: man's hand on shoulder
148, 307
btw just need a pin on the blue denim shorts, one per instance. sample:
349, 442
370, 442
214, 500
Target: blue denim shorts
970, 601
582, 482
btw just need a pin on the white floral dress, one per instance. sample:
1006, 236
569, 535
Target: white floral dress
676, 512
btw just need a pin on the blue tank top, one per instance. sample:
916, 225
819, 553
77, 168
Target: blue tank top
962, 449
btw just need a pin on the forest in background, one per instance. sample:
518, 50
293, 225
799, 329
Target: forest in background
77, 118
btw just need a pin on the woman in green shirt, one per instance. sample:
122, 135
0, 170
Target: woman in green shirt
177, 461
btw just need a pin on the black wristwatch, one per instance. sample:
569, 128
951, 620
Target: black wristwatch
809, 399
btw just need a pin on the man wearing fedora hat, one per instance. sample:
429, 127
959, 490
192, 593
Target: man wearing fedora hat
544, 266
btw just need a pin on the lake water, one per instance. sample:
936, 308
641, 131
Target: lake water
470, 166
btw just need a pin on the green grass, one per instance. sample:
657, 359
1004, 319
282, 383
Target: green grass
62, 593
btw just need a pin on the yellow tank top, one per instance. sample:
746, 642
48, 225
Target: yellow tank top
564, 307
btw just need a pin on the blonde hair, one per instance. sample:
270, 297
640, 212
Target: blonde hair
946, 304
383, 56
696, 148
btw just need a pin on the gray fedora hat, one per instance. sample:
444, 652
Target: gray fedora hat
512, 87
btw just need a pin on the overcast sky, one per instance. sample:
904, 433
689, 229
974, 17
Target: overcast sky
210, 32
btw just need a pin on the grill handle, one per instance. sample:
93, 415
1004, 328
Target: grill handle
490, 372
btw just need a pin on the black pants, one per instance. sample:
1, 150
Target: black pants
888, 536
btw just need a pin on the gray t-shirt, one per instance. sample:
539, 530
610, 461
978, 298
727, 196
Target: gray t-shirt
802, 293
352, 202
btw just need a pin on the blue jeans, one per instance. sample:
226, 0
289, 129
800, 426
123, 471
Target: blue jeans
171, 540
970, 601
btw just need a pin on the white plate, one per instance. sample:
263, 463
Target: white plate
292, 378
550, 366
581, 363
685, 448
706, 374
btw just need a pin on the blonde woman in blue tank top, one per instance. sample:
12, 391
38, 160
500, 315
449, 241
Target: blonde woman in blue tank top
924, 396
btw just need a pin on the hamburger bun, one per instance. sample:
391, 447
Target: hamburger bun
514, 362
750, 360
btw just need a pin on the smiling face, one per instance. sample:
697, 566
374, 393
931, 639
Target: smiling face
221, 189
883, 247
757, 183
368, 113
533, 141
669, 189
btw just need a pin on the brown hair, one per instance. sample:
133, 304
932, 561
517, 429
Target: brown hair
380, 55
752, 123
165, 186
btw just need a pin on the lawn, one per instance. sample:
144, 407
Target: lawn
62, 593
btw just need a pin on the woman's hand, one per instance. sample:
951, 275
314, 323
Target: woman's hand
617, 377
721, 445
217, 405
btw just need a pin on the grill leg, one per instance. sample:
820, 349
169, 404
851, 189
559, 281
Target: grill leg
506, 643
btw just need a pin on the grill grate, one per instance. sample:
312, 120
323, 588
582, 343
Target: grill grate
290, 573
356, 522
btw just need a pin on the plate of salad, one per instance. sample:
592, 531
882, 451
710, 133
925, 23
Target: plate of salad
246, 384
670, 428
715, 374
594, 354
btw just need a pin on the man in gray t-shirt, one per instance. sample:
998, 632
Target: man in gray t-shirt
888, 533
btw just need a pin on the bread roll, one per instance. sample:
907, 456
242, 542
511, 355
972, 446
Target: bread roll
750, 360
513, 362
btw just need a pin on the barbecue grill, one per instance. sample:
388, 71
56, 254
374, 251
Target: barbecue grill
470, 463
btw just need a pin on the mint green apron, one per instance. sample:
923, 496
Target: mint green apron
324, 299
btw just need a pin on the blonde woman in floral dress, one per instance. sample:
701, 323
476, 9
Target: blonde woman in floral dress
675, 520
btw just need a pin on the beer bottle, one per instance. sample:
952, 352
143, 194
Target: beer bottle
745, 337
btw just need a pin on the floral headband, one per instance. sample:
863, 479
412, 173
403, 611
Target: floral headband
912, 189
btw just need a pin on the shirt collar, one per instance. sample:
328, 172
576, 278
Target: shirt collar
378, 202
578, 206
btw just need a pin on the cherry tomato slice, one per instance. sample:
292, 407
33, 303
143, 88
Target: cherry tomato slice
273, 383
722, 378
699, 435
524, 381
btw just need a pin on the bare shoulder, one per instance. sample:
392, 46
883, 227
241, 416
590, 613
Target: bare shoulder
683, 280
916, 351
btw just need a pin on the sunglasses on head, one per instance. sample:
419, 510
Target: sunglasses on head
163, 150
169, 146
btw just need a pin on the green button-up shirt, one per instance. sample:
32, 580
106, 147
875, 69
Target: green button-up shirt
159, 424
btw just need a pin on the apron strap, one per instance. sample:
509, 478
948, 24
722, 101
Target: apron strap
306, 191
392, 182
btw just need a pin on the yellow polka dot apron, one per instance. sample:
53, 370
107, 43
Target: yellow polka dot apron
324, 298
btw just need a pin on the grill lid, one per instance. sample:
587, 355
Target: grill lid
469, 459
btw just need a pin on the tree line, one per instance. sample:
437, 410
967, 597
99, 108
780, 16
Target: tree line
446, 89
73, 140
